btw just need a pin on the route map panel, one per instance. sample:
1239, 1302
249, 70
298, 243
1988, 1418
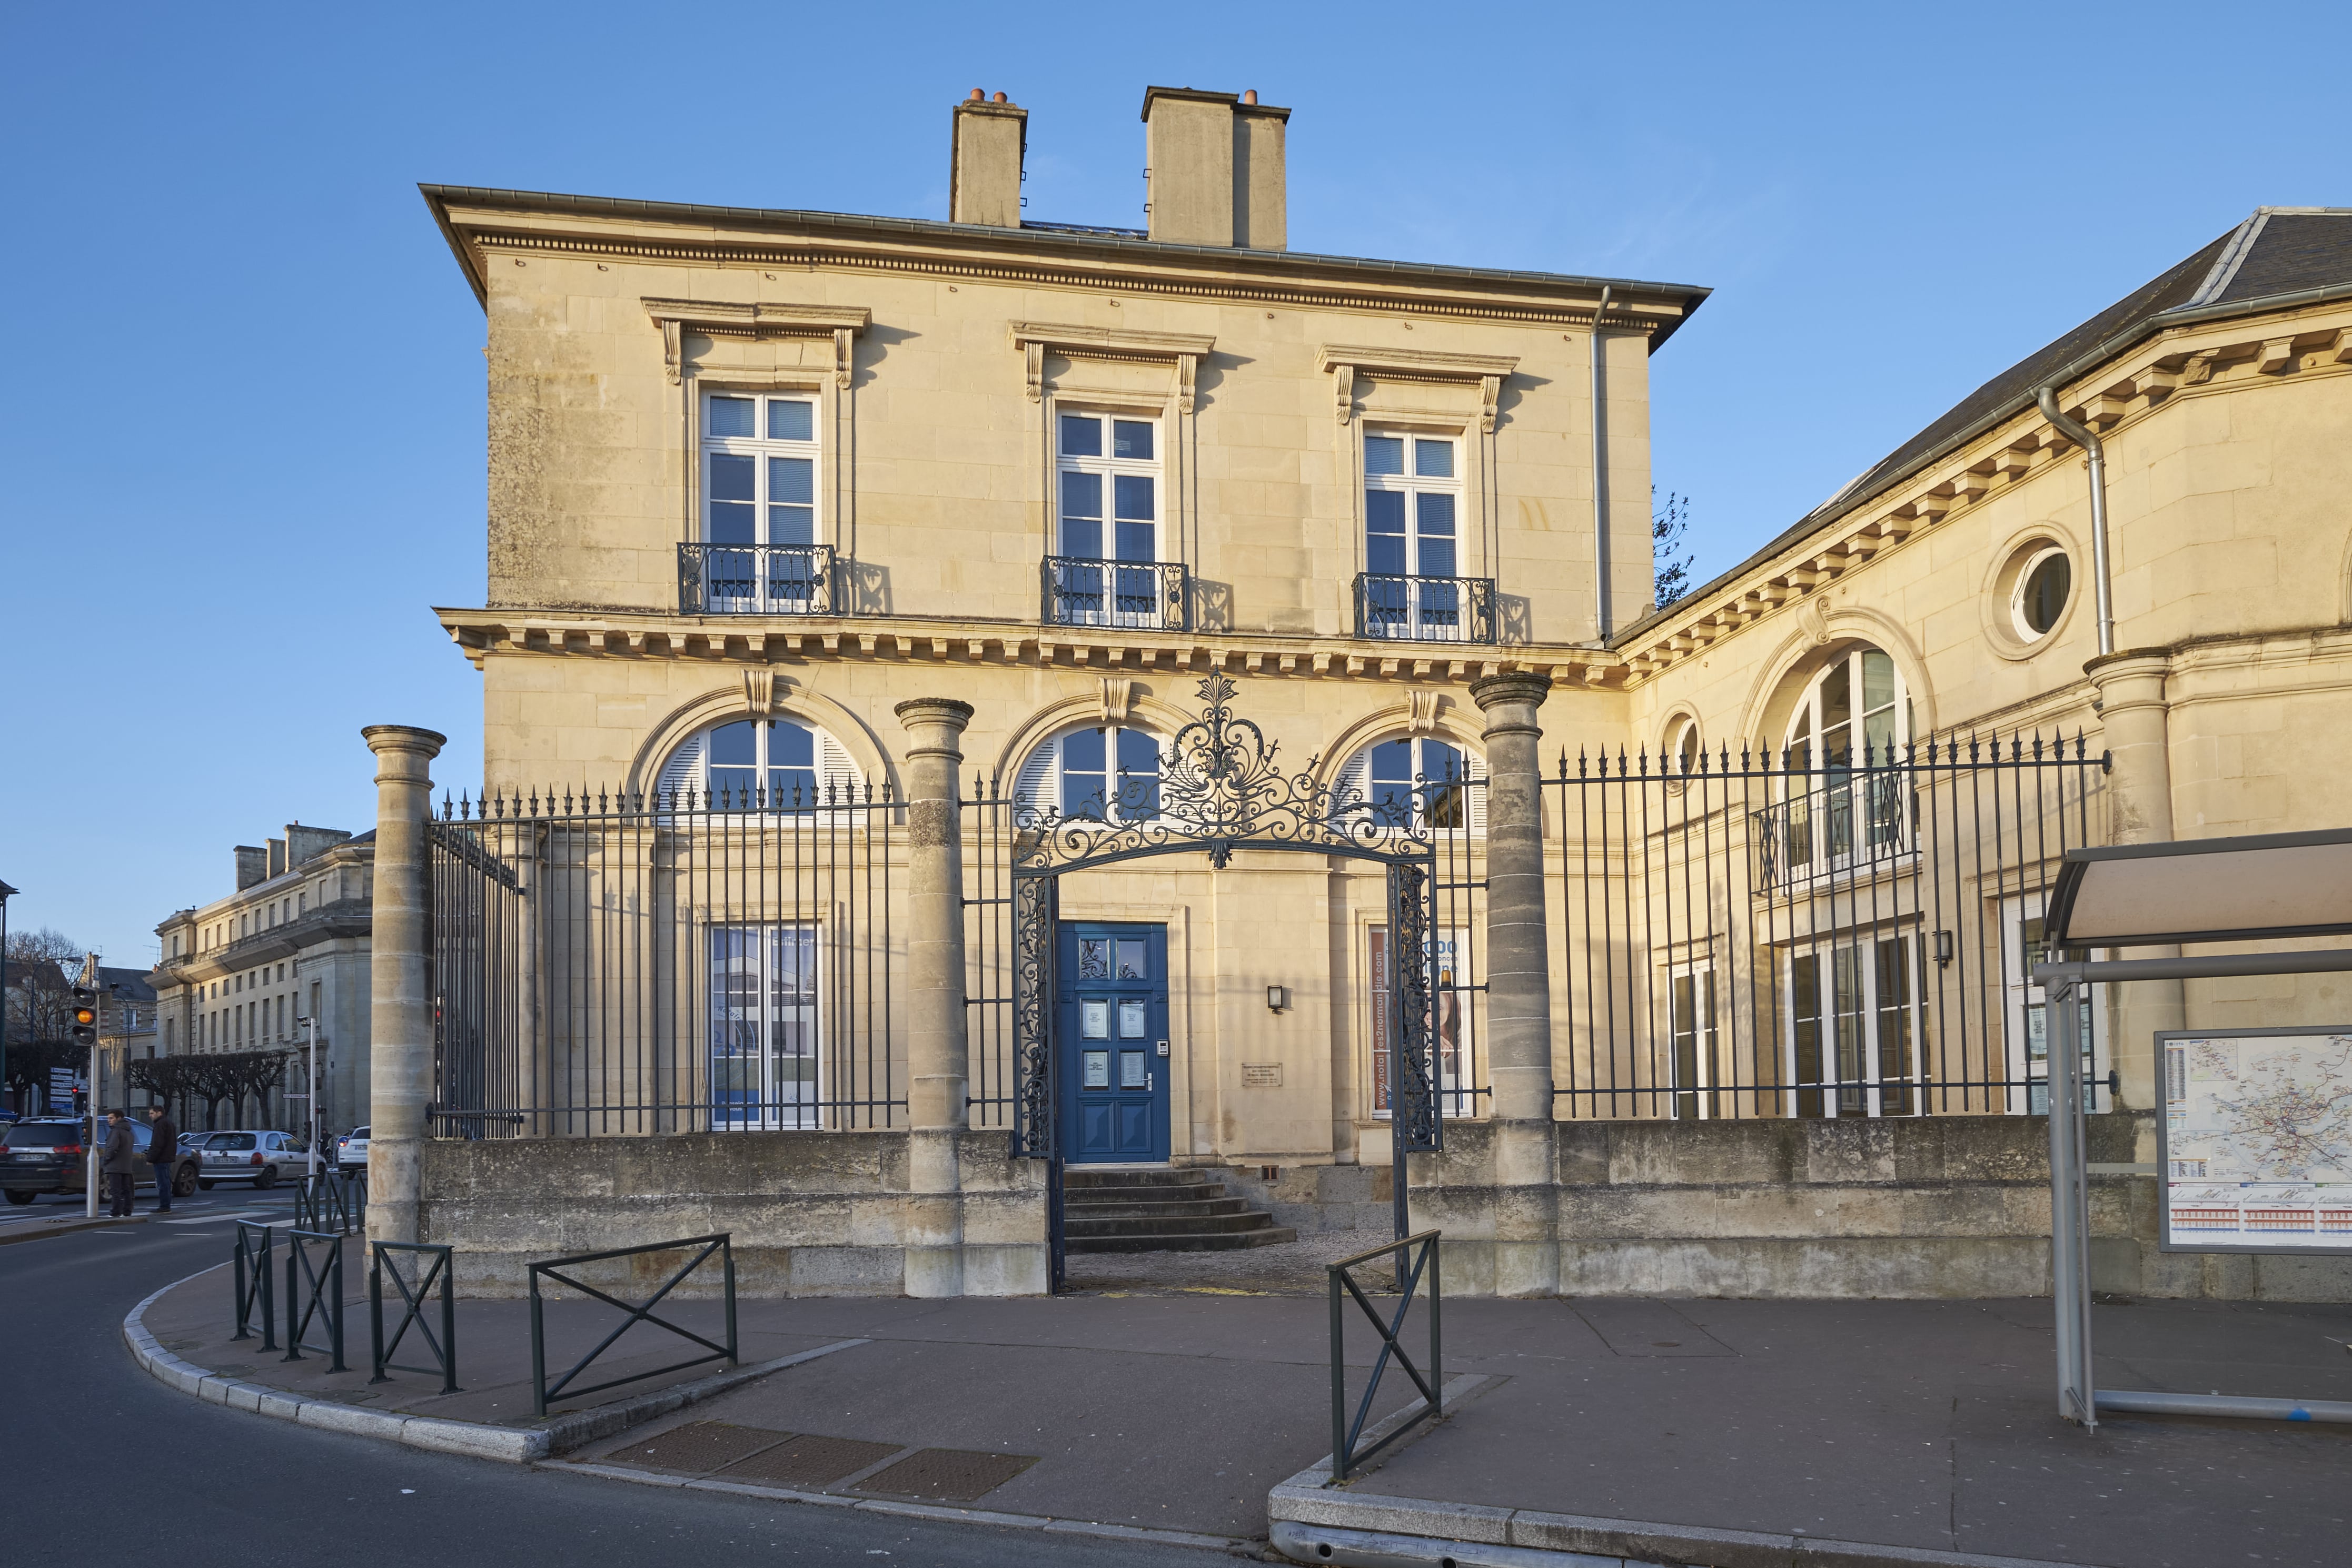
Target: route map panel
2256, 1140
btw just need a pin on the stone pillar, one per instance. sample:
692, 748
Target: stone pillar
2135, 718
1518, 991
400, 1018
936, 1055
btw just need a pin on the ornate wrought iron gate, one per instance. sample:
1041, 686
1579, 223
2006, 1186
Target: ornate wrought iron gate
1220, 790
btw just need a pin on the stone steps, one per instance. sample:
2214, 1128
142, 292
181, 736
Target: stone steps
1160, 1211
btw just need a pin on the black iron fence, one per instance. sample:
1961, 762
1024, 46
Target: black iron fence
681, 961
314, 1295
250, 1255
755, 580
1425, 610
1079, 591
1796, 936
331, 1200
1414, 1259
553, 1271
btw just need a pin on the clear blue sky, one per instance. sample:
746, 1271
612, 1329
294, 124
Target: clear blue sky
242, 450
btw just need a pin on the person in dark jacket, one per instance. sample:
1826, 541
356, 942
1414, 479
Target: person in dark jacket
162, 1154
119, 1163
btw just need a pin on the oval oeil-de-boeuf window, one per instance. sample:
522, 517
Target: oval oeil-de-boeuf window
2043, 587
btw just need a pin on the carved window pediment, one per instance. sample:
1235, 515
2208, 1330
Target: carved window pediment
1181, 349
1345, 362
755, 319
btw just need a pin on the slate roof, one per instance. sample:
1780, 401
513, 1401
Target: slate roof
2275, 256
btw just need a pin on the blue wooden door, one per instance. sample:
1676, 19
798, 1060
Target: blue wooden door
1114, 1043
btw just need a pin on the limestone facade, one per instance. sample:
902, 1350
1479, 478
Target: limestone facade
932, 368
291, 942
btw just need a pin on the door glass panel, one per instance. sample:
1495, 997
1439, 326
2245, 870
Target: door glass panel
1093, 958
1130, 1069
1094, 1020
1132, 965
1097, 1070
1131, 1016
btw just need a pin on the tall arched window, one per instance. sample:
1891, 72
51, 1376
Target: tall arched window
1110, 772
773, 764
1855, 701
1419, 779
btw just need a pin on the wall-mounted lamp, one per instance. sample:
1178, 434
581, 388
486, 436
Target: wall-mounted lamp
1277, 997
1943, 950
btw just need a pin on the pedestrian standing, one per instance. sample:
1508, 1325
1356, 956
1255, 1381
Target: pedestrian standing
163, 1154
119, 1163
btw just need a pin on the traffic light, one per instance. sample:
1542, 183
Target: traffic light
85, 1017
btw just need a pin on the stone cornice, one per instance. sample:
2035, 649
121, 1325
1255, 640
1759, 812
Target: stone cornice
2176, 366
754, 319
1434, 298
759, 640
1345, 362
1034, 339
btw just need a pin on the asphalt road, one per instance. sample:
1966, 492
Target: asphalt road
98, 1449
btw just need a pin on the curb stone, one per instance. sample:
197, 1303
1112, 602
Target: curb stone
31, 1232
1138, 1533
514, 1446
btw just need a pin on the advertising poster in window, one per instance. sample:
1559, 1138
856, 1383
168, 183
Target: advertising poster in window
2255, 1142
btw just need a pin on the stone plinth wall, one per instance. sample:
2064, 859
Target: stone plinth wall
1936, 1206
811, 1214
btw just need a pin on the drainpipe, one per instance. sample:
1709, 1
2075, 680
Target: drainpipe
2081, 436
1600, 483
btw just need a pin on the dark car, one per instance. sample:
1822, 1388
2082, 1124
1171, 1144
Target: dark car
47, 1155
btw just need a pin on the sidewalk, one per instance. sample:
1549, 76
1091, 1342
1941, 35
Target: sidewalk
1717, 1432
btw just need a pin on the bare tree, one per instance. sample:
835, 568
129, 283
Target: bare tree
39, 1002
1670, 547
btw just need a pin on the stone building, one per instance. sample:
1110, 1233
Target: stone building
794, 514
291, 941
127, 1026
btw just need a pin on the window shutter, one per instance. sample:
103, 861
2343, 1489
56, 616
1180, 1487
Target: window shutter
1033, 787
683, 771
839, 774
1477, 769
1356, 778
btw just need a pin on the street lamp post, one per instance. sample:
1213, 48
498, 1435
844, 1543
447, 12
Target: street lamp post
310, 1100
5, 893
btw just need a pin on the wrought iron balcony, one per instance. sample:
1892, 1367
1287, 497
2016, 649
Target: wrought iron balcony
1425, 610
1859, 821
1080, 592
755, 580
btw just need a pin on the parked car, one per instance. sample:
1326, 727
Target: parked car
350, 1150
47, 1155
263, 1158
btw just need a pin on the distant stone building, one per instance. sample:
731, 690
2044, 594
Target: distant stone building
126, 1027
291, 942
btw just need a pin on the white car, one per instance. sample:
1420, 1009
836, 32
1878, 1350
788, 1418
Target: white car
350, 1150
265, 1159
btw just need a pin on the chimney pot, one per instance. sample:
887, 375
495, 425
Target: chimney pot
977, 94
999, 99
1250, 97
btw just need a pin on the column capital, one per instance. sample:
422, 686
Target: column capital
951, 712
403, 738
2129, 661
2129, 678
1493, 692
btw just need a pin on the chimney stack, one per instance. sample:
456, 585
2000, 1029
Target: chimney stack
252, 866
984, 174
1216, 168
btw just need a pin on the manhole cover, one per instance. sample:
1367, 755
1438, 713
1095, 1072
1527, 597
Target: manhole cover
811, 1461
947, 1475
698, 1446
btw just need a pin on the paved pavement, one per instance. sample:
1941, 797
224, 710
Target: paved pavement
97, 1449
1912, 1424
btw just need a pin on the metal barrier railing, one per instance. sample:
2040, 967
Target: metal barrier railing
1345, 1455
543, 1390
330, 1201
314, 1292
444, 1347
253, 1284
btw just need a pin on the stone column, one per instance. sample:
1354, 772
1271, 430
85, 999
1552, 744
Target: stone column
400, 1017
1518, 990
2136, 721
936, 1051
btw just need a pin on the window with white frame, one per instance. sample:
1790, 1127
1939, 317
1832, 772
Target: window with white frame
1419, 780
1108, 773
759, 765
1448, 965
1692, 1039
761, 463
1851, 723
1108, 538
1412, 505
1851, 1037
765, 1065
